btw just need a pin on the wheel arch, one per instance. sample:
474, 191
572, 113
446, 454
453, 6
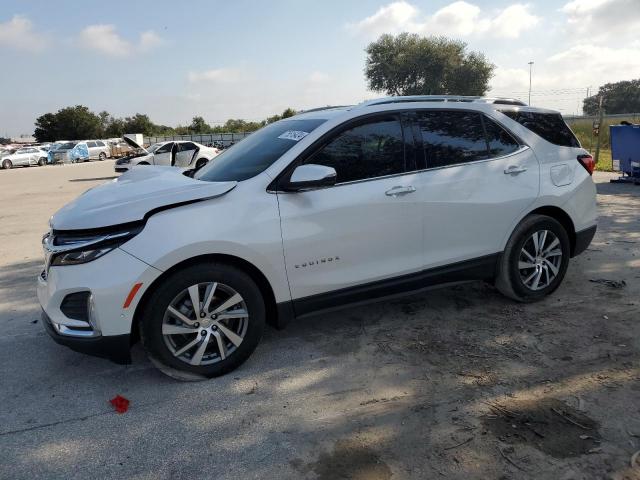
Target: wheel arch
561, 216
254, 272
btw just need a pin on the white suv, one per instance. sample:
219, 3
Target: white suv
323, 209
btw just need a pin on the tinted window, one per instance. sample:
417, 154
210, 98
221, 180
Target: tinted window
549, 126
451, 137
91, 144
186, 146
255, 153
165, 148
367, 151
500, 141
100, 144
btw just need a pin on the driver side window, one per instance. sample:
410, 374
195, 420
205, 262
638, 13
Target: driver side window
165, 148
370, 150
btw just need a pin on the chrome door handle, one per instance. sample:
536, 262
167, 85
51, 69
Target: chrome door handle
398, 190
513, 169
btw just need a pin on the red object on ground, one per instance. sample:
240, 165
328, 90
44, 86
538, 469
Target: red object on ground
121, 404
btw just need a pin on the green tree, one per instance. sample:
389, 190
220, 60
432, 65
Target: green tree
46, 128
71, 123
619, 97
408, 64
198, 125
289, 112
139, 123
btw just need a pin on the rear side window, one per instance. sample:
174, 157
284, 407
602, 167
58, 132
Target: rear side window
549, 126
91, 144
100, 143
451, 137
371, 150
500, 141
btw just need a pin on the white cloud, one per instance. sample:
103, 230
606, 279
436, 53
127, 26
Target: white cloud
392, 18
599, 64
18, 33
216, 75
318, 78
459, 18
149, 40
613, 19
105, 39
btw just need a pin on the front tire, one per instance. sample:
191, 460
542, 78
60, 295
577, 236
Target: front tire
203, 321
42, 162
535, 259
7, 164
102, 156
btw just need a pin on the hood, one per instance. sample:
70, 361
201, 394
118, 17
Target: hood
132, 196
134, 144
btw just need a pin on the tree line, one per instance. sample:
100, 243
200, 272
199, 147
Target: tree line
79, 122
618, 97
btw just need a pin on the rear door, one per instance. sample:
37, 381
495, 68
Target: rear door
185, 153
364, 229
478, 181
93, 150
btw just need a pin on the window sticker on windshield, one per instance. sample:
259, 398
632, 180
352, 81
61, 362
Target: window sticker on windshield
295, 135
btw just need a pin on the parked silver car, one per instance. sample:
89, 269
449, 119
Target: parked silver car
25, 156
98, 149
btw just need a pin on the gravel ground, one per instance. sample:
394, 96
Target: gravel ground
453, 383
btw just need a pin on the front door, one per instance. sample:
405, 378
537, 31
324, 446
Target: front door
163, 155
367, 228
478, 182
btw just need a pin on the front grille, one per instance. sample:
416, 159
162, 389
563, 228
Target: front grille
76, 306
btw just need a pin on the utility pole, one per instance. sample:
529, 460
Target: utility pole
600, 117
530, 67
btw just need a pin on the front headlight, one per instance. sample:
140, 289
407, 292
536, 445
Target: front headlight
79, 256
75, 247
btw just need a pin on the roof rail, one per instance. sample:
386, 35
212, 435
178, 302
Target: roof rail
442, 98
328, 107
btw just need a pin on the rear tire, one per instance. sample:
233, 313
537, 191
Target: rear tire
535, 259
159, 322
102, 156
7, 164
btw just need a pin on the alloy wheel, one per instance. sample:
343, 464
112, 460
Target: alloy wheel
205, 323
540, 260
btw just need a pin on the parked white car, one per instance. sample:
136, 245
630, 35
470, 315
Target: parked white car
185, 154
327, 208
98, 149
26, 157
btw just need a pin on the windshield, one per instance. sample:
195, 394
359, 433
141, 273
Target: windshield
154, 147
257, 152
66, 146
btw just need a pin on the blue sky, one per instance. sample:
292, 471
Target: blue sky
250, 59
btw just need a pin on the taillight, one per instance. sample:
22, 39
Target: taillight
587, 162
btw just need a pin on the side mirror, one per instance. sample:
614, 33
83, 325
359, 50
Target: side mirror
309, 177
